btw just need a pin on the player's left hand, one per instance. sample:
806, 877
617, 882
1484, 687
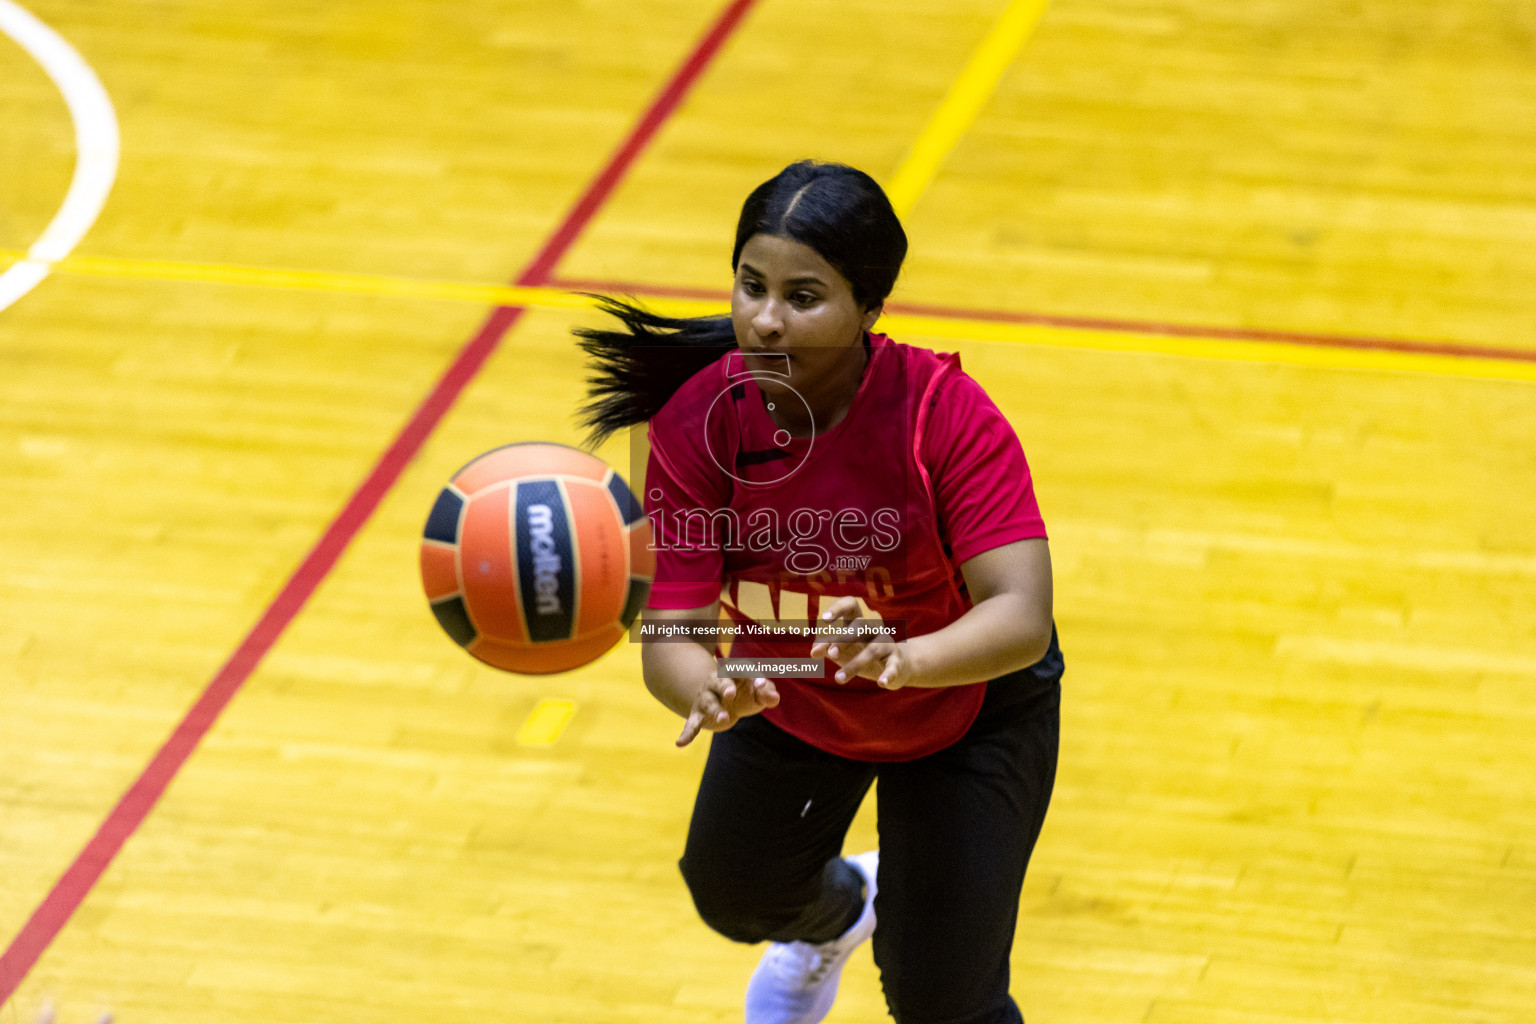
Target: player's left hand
887, 662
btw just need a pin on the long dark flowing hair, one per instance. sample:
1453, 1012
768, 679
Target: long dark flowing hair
835, 209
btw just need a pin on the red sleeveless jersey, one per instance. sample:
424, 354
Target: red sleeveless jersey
922, 473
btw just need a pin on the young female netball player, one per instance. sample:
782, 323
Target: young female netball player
802, 467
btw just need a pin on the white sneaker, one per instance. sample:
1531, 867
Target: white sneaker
796, 982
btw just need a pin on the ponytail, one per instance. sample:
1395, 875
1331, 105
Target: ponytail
637, 368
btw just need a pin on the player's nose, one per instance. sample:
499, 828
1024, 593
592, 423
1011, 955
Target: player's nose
768, 321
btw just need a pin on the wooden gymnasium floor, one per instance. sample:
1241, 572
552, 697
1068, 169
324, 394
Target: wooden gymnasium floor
1252, 281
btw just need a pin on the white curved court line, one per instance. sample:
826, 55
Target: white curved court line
96, 149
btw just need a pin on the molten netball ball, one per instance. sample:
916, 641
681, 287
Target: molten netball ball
536, 557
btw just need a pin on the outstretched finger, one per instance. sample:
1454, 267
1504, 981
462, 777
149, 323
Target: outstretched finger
842, 608
738, 696
872, 656
848, 648
691, 726
839, 613
830, 629
706, 711
765, 692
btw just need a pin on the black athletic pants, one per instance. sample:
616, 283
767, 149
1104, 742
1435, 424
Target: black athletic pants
956, 831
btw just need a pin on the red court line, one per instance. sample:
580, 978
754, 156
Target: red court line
56, 909
1438, 348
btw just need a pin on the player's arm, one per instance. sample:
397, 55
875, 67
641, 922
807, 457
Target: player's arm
681, 675
1007, 628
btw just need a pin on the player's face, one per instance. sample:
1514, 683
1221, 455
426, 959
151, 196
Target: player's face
795, 314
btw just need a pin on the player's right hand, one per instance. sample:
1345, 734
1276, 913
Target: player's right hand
721, 702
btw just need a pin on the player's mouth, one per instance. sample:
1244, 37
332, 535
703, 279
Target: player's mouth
768, 361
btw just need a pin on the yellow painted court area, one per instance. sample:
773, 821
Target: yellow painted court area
1296, 582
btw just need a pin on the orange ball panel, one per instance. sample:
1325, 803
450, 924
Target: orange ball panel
533, 458
482, 567
542, 659
439, 570
600, 553
642, 560
485, 555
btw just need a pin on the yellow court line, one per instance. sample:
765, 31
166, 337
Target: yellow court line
1319, 356
342, 283
322, 281
955, 328
546, 722
962, 106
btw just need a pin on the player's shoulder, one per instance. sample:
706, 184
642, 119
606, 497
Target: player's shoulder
941, 378
958, 390
958, 412
913, 356
923, 371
